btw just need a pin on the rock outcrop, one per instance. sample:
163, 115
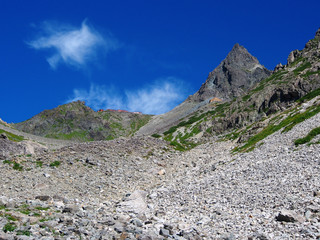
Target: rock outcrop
237, 73
9, 148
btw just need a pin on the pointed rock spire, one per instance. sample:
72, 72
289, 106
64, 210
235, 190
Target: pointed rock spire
238, 72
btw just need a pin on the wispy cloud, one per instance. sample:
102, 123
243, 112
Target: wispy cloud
72, 46
98, 97
158, 98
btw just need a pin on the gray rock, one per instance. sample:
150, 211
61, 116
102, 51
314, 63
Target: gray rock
43, 198
4, 236
137, 222
3, 136
119, 228
3, 201
71, 209
164, 232
135, 202
289, 216
47, 175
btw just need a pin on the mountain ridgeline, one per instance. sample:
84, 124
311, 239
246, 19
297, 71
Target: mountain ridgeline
235, 101
244, 111
76, 121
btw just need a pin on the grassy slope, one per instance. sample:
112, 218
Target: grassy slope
12, 136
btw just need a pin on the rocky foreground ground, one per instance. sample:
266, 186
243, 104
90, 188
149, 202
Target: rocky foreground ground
141, 188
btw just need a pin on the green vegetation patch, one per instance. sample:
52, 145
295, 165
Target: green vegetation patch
246, 97
301, 68
234, 135
309, 73
42, 208
300, 59
259, 88
17, 166
7, 162
217, 112
24, 232
10, 217
12, 137
36, 214
45, 219
313, 133
288, 123
309, 96
156, 135
276, 76
183, 145
55, 164
9, 227
138, 123
25, 211
39, 163
76, 135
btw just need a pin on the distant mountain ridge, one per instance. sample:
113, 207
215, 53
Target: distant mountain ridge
76, 121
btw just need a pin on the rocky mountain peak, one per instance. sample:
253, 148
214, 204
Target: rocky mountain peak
311, 49
318, 33
238, 72
240, 56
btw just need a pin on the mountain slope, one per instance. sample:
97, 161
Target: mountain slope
76, 121
244, 116
140, 188
237, 73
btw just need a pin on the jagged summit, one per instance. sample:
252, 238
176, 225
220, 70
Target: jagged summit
318, 33
240, 56
238, 72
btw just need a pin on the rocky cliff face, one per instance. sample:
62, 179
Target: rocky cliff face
278, 92
237, 73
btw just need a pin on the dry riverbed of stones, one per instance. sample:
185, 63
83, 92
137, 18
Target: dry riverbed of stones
141, 188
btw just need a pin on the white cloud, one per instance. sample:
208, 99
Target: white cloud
98, 97
72, 46
157, 98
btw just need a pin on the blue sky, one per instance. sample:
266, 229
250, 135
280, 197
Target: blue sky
136, 55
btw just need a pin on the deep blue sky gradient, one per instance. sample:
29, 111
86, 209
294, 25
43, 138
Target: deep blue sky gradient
183, 39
